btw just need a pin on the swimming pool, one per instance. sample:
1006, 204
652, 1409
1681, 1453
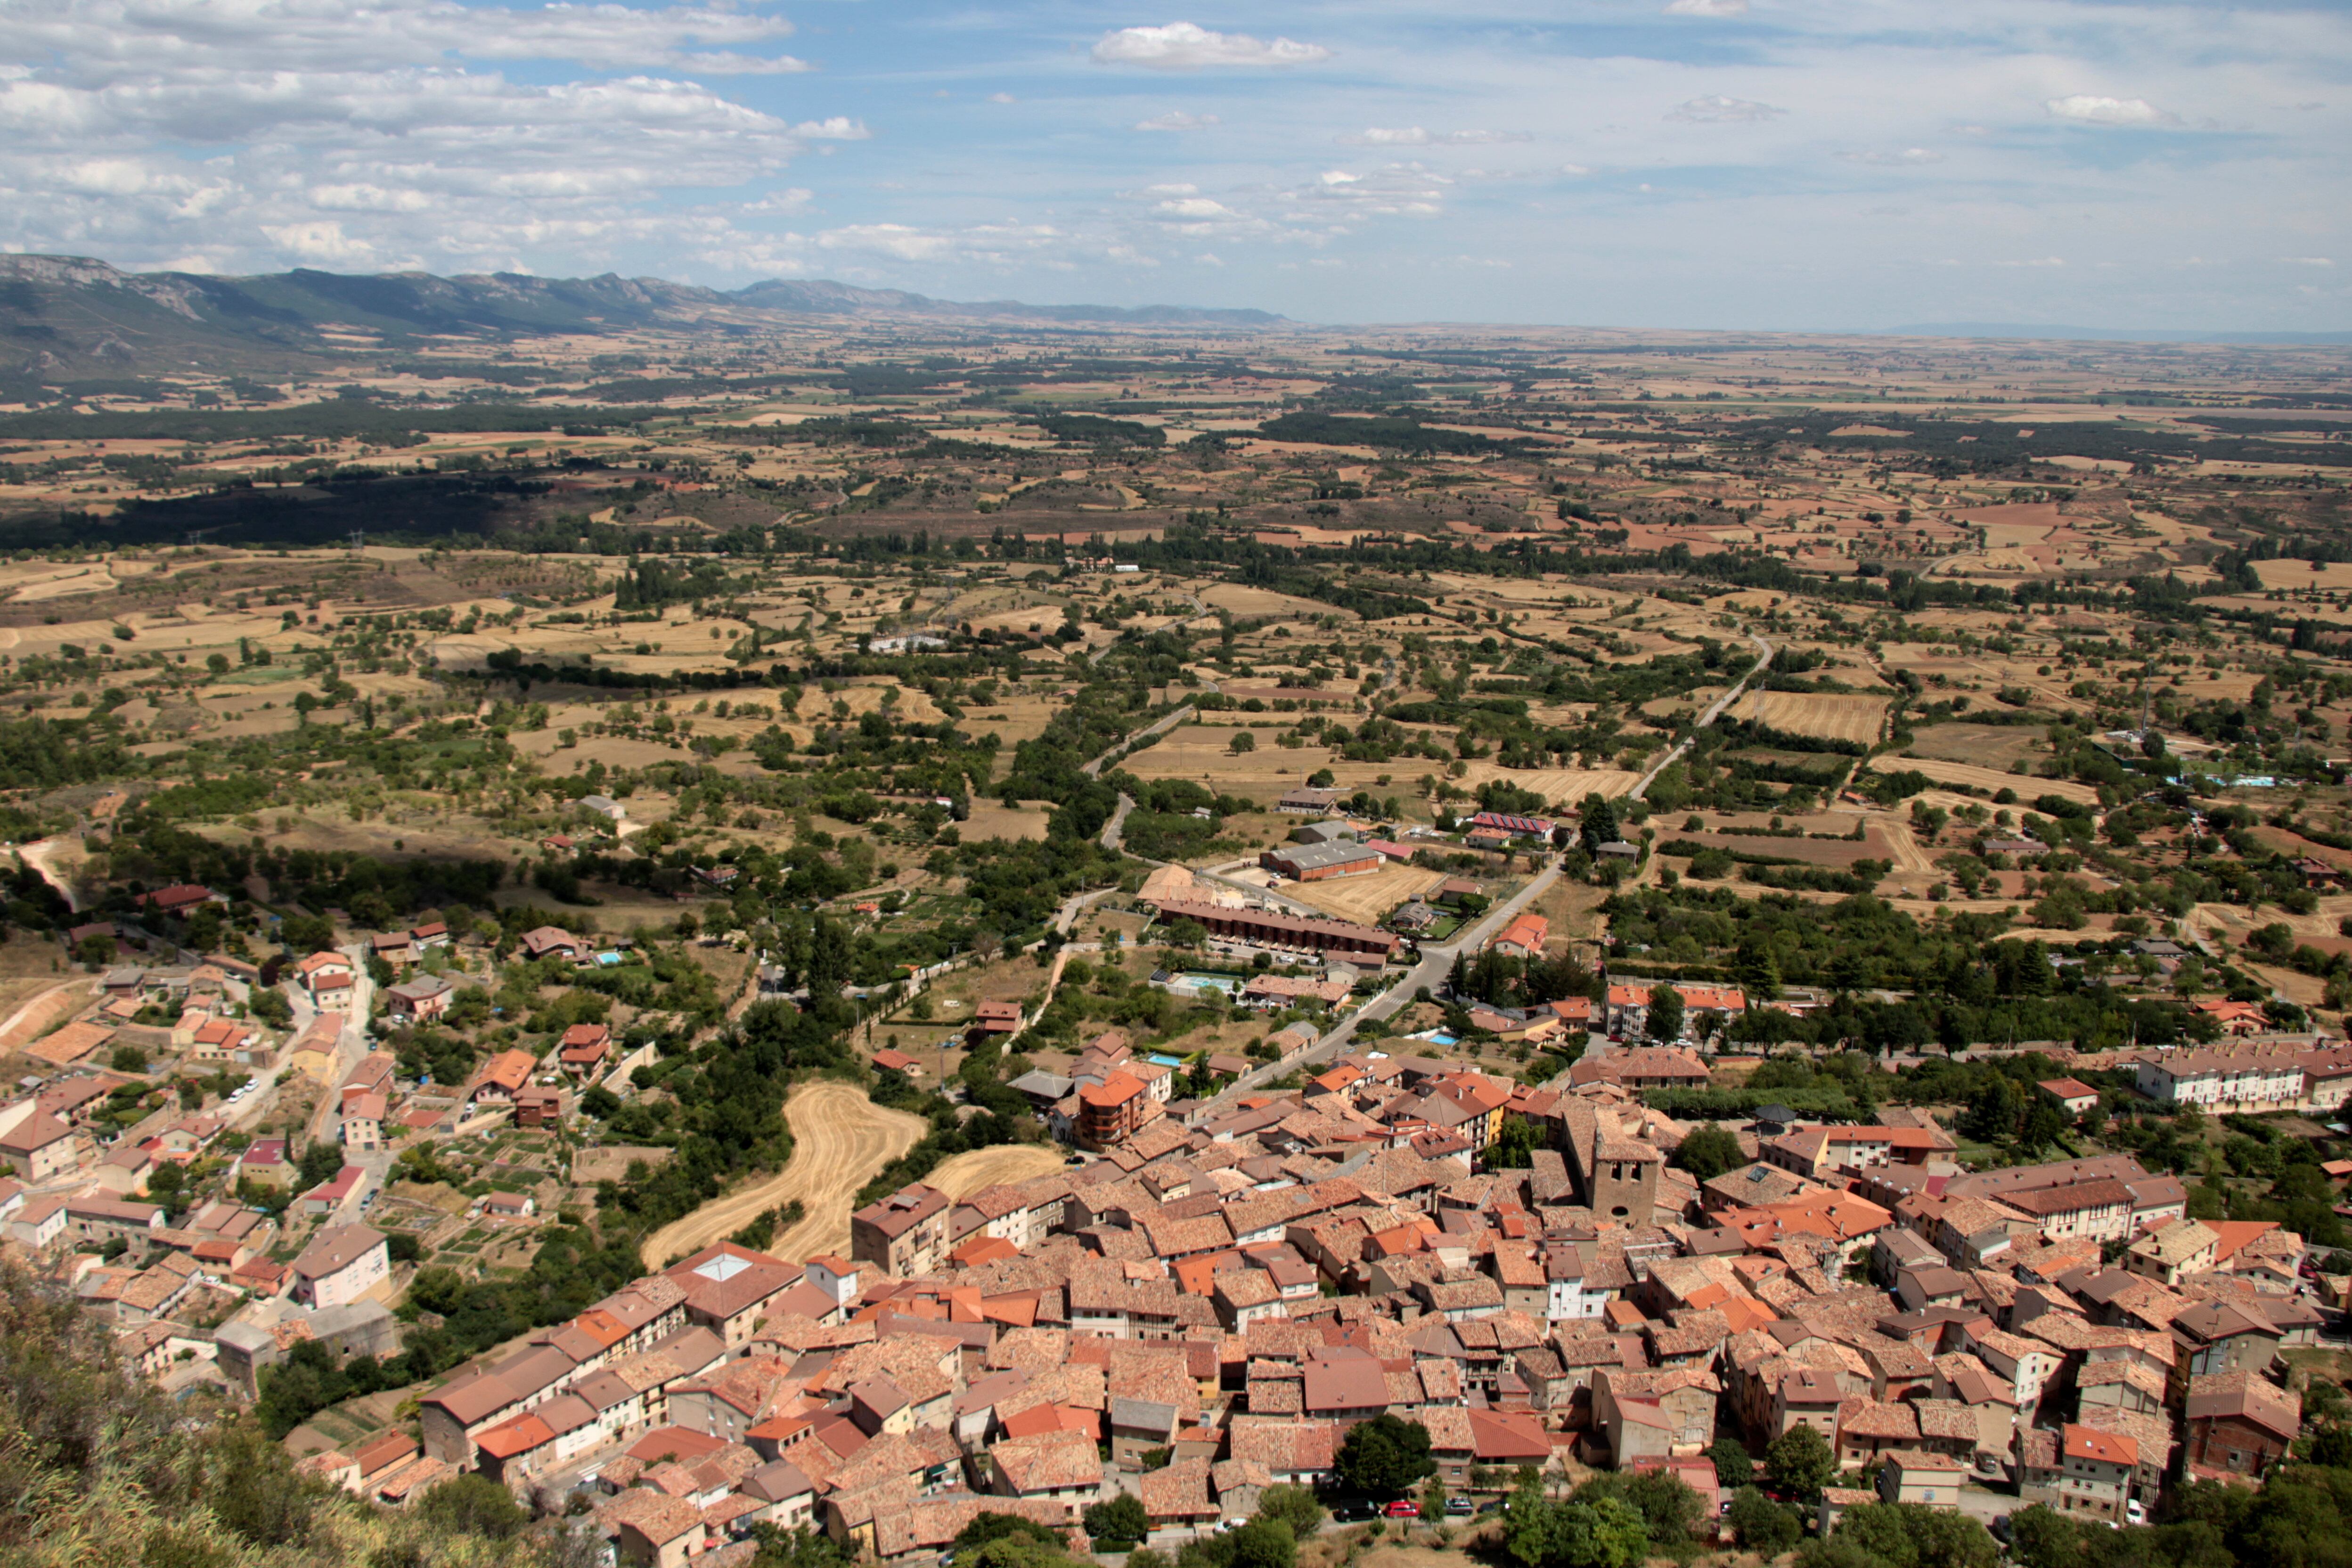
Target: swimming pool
1225, 983
1166, 1061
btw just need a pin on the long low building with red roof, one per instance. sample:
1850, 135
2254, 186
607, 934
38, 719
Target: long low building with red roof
1270, 928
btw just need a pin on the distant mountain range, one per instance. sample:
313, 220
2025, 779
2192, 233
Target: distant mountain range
67, 318
2033, 332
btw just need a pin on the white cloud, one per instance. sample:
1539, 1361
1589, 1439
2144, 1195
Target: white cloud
1194, 207
1414, 136
1186, 46
1001, 98
1906, 158
2036, 261
991, 246
2091, 109
322, 242
118, 37
2308, 260
1398, 190
1177, 120
1707, 8
367, 198
838, 128
895, 241
1717, 110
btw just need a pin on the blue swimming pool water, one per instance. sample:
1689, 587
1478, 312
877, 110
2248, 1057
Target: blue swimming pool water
1225, 983
1165, 1061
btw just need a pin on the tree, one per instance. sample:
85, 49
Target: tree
1293, 1506
1260, 1543
1598, 1528
1800, 1463
128, 1059
1664, 1018
1243, 741
321, 1162
1911, 1535
475, 1505
1608, 1532
1383, 1456
1668, 1506
2043, 1124
1706, 1152
1762, 1525
1598, 825
2042, 1537
1121, 1518
987, 1526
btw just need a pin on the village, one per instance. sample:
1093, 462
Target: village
1544, 1273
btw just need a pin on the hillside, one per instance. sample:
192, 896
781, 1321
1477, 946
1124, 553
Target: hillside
69, 319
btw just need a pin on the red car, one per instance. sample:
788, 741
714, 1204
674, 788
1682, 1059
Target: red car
1404, 1507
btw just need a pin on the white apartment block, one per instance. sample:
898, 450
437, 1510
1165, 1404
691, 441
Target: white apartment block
2220, 1079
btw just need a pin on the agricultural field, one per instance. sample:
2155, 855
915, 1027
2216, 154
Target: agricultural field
1824, 717
840, 1139
1365, 900
1998, 747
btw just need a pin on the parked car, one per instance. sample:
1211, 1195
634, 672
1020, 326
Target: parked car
1460, 1505
2136, 1510
1404, 1507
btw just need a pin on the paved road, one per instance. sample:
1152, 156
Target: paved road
1114, 833
1158, 726
1715, 711
350, 1045
1436, 962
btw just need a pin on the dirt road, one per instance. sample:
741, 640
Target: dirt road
38, 854
840, 1139
968, 1173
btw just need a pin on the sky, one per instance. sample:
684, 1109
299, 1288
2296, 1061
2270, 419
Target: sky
1759, 164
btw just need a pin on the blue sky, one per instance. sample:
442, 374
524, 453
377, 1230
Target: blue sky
1712, 164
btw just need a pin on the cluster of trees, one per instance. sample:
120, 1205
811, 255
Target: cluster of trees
1968, 981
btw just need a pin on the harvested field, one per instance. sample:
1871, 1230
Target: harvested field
1979, 745
2026, 786
612, 1162
967, 1173
1561, 786
1835, 852
993, 819
1247, 602
1203, 752
1364, 899
840, 1139
1826, 716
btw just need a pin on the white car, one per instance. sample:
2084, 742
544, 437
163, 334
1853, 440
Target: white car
2135, 1511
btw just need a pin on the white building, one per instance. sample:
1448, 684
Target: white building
342, 1264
